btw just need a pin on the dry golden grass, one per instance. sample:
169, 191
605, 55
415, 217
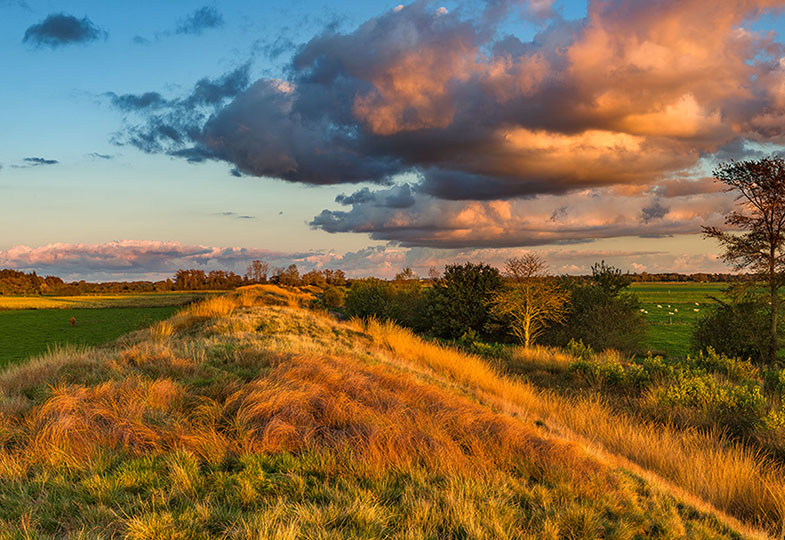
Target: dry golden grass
729, 476
184, 430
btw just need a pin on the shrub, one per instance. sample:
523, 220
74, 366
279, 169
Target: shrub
733, 368
404, 304
737, 329
333, 297
458, 302
739, 407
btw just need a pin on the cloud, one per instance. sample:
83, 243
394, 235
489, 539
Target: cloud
59, 29
547, 219
235, 215
38, 161
167, 125
98, 155
630, 104
204, 18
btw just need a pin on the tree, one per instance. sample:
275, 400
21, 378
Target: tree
760, 213
458, 302
289, 276
257, 272
407, 274
531, 300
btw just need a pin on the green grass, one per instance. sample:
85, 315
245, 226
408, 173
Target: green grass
670, 334
29, 332
102, 300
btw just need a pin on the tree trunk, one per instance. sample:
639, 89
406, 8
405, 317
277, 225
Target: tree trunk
774, 299
773, 345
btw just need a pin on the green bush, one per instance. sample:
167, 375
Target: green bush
458, 302
733, 368
739, 407
333, 297
736, 330
404, 304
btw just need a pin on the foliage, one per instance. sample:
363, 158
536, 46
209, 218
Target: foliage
257, 272
735, 329
376, 298
458, 302
334, 297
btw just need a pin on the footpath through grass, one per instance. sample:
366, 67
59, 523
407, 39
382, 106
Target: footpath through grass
30, 332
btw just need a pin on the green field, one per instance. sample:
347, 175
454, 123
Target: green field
29, 332
671, 310
101, 300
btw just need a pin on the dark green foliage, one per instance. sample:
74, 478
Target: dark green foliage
403, 303
458, 302
333, 297
602, 315
736, 329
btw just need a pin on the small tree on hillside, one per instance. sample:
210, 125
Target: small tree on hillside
531, 299
760, 189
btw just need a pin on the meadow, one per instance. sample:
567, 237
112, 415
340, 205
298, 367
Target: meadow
248, 415
100, 301
30, 325
671, 310
30, 332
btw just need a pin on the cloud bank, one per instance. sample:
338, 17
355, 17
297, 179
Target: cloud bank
153, 260
59, 29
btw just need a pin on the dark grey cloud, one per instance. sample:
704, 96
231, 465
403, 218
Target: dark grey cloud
137, 102
396, 197
653, 212
235, 215
156, 124
204, 18
59, 29
39, 161
98, 155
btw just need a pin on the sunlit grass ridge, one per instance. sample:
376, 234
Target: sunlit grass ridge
249, 416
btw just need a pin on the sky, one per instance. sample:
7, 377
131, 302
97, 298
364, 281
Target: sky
142, 137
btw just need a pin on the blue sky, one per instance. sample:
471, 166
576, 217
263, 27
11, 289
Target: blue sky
56, 107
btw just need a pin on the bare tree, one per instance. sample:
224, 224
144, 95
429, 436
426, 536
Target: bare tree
760, 189
257, 271
532, 299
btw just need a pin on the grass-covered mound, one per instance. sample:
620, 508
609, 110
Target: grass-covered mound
248, 416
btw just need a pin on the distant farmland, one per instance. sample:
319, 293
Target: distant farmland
687, 302
30, 325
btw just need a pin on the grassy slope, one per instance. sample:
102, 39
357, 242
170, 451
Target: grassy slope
30, 332
249, 417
